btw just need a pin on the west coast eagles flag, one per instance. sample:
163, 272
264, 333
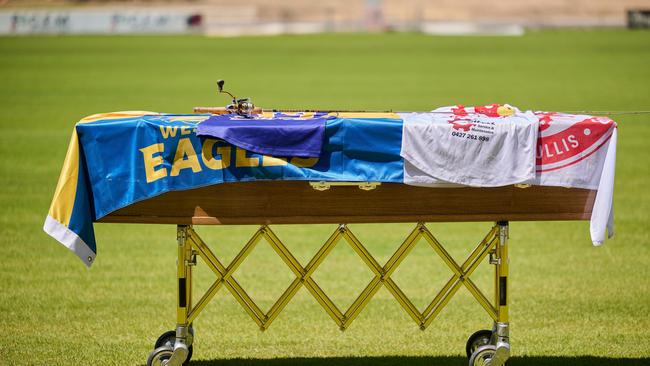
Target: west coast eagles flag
117, 159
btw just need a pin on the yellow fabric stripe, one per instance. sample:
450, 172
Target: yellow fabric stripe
188, 118
66, 188
126, 114
116, 115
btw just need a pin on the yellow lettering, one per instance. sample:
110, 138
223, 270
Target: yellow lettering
242, 161
208, 157
273, 161
304, 162
168, 131
151, 162
183, 150
186, 130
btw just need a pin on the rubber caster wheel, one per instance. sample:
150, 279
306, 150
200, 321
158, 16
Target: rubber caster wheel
158, 355
168, 339
482, 356
476, 340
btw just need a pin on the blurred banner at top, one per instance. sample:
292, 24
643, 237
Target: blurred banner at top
263, 17
99, 21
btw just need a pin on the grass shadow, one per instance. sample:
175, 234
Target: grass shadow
422, 361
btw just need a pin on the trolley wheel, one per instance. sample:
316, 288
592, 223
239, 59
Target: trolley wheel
476, 340
168, 339
483, 355
158, 355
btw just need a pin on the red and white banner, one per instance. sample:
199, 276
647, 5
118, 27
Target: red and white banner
580, 151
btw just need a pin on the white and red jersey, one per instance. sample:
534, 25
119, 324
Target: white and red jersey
497, 145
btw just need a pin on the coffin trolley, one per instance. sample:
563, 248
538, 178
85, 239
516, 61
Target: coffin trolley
152, 168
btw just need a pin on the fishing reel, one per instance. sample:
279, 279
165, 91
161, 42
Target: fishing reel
243, 107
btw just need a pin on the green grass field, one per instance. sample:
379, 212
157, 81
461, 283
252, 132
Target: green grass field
571, 304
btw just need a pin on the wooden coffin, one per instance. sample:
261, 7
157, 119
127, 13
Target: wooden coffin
296, 202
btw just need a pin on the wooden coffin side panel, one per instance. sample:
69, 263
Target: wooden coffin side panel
296, 202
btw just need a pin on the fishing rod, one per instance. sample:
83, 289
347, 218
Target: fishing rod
258, 110
245, 107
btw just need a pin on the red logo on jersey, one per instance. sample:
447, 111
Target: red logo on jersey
545, 119
459, 110
462, 125
573, 144
459, 121
490, 110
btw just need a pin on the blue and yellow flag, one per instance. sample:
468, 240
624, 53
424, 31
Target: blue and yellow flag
117, 159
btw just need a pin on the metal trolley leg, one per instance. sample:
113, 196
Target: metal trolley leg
501, 302
492, 348
174, 348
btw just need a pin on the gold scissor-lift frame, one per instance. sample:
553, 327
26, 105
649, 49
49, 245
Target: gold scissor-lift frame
485, 347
